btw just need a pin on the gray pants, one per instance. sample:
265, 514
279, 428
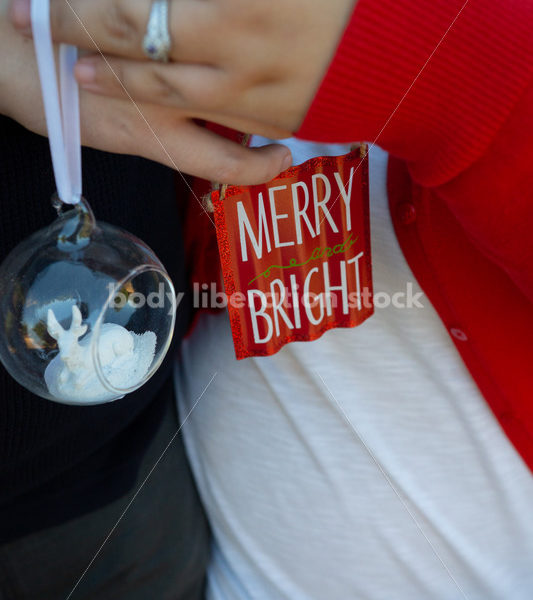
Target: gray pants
158, 551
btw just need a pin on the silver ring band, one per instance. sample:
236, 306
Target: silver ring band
157, 42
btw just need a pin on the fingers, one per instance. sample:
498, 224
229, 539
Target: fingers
190, 148
172, 84
162, 135
202, 91
96, 24
118, 26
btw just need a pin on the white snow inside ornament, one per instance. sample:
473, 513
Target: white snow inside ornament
87, 309
125, 358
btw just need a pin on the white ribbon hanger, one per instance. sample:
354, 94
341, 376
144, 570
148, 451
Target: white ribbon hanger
61, 104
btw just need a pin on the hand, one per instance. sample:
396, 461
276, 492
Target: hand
258, 62
117, 125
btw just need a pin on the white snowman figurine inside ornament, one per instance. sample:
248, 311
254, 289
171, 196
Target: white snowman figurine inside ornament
87, 310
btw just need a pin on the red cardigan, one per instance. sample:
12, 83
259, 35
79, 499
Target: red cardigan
446, 88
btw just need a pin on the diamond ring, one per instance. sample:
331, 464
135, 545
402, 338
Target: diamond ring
157, 42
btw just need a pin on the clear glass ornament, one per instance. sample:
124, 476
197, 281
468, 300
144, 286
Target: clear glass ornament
87, 310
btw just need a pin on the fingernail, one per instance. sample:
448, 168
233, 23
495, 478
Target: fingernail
20, 15
287, 162
85, 72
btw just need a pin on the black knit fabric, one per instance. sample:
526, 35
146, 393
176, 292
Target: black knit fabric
45, 446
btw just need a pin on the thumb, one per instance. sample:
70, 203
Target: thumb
203, 153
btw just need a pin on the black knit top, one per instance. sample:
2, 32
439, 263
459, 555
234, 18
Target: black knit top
45, 446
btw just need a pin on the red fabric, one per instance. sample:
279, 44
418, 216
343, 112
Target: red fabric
201, 250
461, 176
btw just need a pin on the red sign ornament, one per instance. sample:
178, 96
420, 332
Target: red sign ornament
295, 253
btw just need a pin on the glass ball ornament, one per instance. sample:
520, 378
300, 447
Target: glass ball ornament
87, 310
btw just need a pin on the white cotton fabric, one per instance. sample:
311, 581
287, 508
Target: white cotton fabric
420, 497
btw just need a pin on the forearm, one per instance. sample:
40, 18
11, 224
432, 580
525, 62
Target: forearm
426, 80
450, 93
493, 199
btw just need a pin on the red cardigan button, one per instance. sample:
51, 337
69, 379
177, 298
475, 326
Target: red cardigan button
406, 213
459, 334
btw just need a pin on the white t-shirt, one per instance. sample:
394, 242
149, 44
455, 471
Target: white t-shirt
361, 466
